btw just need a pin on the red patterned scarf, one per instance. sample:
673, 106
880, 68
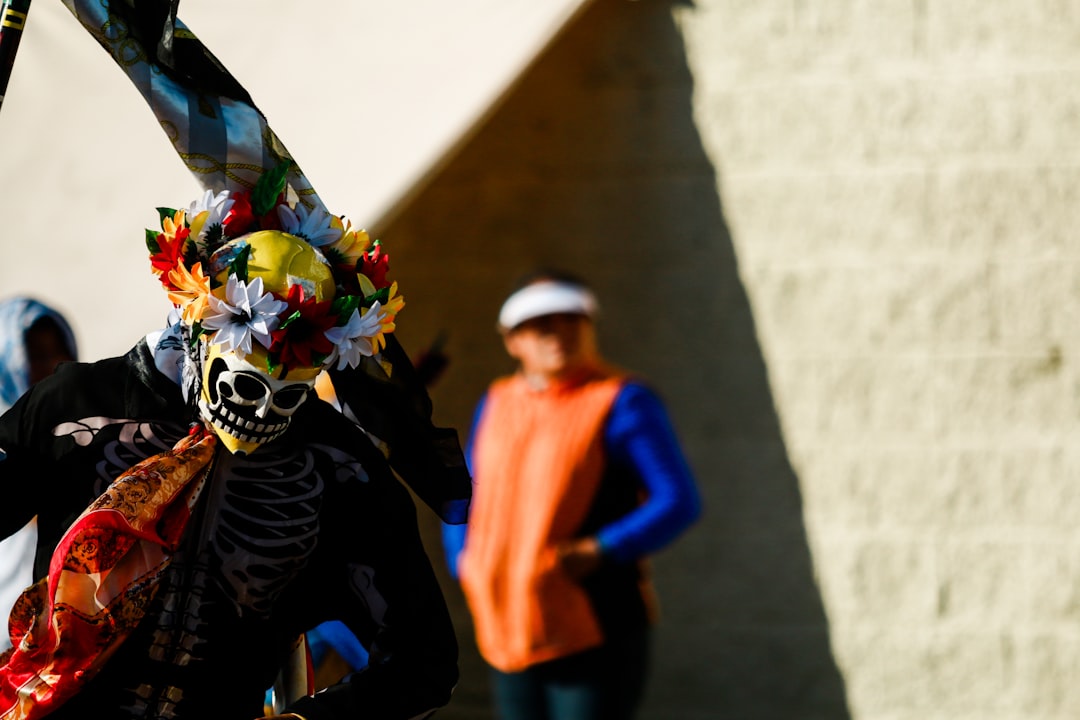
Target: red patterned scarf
103, 574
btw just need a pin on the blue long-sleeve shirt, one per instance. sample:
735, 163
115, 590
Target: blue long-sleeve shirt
637, 434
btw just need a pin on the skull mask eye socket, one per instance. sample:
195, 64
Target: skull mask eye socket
247, 387
288, 399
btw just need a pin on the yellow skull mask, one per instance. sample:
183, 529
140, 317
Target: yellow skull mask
246, 406
246, 398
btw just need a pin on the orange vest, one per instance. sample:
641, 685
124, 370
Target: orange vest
537, 462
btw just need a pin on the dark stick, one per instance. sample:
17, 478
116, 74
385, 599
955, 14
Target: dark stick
12, 21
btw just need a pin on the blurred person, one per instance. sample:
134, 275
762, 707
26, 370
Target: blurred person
578, 477
34, 339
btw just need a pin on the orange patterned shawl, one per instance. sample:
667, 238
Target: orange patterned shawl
103, 574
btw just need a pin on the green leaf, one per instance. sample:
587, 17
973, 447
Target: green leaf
196, 333
289, 320
381, 295
238, 266
268, 188
151, 242
343, 307
164, 212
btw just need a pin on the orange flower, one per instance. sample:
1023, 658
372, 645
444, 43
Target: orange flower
192, 290
172, 226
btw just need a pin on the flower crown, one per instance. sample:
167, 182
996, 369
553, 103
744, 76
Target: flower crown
191, 250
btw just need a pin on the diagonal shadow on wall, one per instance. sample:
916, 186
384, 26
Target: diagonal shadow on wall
594, 163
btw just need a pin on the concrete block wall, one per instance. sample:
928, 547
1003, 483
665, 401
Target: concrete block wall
901, 182
838, 235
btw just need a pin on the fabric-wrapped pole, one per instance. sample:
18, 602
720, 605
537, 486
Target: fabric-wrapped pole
214, 126
12, 21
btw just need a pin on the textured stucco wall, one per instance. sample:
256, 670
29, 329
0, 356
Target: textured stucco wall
839, 237
901, 182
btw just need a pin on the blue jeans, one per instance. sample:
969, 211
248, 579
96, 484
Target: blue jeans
604, 683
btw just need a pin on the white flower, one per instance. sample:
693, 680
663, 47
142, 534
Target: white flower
216, 207
353, 339
314, 226
245, 312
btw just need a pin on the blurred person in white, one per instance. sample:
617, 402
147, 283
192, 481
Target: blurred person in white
34, 339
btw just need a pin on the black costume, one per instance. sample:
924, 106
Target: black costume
311, 527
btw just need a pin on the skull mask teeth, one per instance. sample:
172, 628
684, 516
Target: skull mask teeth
247, 405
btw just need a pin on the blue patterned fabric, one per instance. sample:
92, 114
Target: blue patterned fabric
17, 314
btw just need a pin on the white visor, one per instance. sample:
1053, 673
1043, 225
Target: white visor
547, 297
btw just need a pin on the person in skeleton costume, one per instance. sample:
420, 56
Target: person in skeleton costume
202, 507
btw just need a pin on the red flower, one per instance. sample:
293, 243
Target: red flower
374, 265
303, 332
170, 254
240, 218
271, 221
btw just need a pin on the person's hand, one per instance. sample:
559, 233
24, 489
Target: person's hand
580, 557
